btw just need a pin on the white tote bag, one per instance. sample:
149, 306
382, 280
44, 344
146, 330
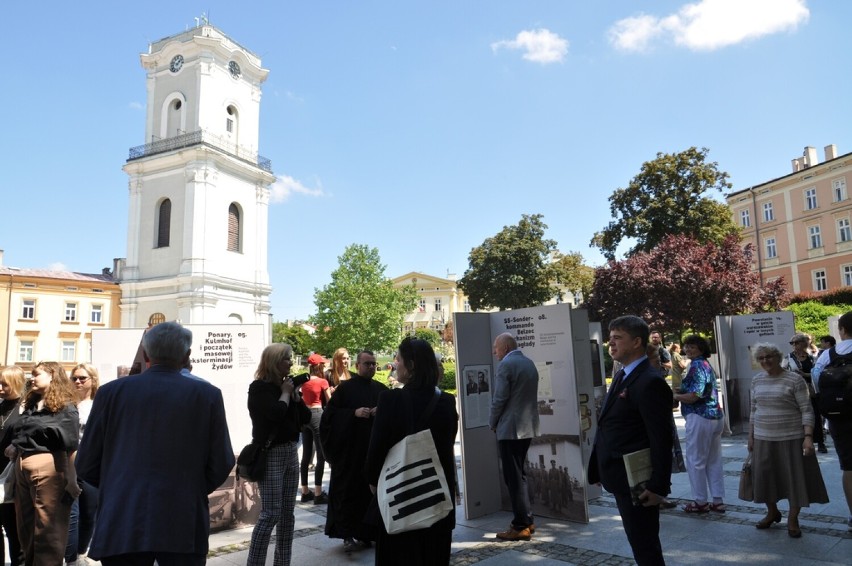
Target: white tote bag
7, 483
413, 492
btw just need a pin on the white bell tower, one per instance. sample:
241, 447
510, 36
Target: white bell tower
199, 191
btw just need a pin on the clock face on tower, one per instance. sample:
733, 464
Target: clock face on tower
176, 64
234, 68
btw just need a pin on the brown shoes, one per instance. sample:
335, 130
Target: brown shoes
515, 534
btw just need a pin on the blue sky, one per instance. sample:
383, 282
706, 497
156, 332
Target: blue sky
419, 128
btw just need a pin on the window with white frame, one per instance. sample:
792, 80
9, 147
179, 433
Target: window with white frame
814, 236
768, 213
28, 309
25, 350
69, 351
771, 249
839, 186
844, 230
422, 305
97, 315
70, 312
745, 218
466, 305
847, 275
577, 298
437, 304
820, 280
810, 198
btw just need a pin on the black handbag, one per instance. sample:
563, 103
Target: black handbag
251, 463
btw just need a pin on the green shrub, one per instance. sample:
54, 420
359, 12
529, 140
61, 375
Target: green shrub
812, 316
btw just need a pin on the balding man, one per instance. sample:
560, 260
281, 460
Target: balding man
514, 417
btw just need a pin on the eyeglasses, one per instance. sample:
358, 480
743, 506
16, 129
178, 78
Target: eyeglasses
764, 358
369, 363
81, 379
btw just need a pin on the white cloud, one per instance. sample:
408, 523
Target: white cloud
539, 45
710, 24
136, 106
57, 266
285, 186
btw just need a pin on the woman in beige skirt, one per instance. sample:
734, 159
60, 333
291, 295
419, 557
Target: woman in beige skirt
784, 463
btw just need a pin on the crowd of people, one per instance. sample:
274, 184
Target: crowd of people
85, 482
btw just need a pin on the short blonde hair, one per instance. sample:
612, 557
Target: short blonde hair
93, 375
14, 378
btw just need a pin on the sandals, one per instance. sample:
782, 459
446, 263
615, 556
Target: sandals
718, 507
696, 508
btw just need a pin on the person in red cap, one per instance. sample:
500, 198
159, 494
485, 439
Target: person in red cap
314, 395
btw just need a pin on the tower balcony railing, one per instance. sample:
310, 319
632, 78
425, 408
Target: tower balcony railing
200, 137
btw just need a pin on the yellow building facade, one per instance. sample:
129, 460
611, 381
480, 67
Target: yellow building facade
49, 315
801, 224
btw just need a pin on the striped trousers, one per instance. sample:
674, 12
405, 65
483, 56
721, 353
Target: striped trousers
277, 501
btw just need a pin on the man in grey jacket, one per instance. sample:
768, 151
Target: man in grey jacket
514, 417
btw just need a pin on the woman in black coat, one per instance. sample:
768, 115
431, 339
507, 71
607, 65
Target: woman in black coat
397, 409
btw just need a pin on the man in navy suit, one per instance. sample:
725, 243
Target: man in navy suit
636, 415
514, 417
156, 444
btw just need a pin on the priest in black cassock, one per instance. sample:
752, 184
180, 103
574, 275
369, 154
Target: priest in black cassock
347, 423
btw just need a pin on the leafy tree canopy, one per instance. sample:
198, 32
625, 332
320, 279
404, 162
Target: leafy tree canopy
668, 196
299, 338
510, 270
683, 284
428, 335
572, 274
360, 308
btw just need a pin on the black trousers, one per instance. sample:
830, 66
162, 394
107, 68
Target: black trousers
10, 527
148, 558
513, 454
642, 526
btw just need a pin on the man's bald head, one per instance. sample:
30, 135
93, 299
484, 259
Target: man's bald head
503, 344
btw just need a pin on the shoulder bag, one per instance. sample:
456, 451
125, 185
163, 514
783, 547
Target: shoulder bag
746, 492
251, 463
413, 492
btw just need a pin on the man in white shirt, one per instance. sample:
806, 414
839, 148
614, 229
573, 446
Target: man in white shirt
841, 430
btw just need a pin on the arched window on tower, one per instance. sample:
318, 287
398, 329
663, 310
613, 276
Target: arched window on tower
232, 122
164, 223
175, 119
234, 227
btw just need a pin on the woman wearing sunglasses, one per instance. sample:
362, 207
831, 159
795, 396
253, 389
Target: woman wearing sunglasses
83, 511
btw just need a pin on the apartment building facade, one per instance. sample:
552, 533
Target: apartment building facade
801, 223
50, 315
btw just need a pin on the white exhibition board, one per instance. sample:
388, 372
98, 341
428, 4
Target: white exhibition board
226, 355
556, 339
735, 339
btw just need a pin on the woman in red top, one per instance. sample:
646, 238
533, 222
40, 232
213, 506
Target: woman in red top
314, 393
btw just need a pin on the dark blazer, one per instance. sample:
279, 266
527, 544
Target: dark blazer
156, 444
635, 415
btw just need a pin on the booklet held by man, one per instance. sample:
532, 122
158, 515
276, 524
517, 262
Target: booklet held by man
638, 467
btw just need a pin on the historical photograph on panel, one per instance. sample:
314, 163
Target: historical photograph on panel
555, 478
476, 385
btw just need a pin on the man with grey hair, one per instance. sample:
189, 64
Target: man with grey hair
156, 444
514, 418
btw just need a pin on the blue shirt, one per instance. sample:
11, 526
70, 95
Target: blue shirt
701, 380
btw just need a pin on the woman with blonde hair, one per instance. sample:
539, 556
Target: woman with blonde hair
45, 440
339, 370
12, 384
272, 407
83, 511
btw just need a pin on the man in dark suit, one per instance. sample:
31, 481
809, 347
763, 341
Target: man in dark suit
514, 417
636, 414
156, 444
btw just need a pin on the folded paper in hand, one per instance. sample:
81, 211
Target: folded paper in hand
638, 467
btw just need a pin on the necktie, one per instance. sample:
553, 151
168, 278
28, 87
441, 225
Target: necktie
616, 383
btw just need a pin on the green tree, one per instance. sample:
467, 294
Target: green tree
428, 335
299, 338
511, 269
360, 308
668, 197
572, 274
812, 317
